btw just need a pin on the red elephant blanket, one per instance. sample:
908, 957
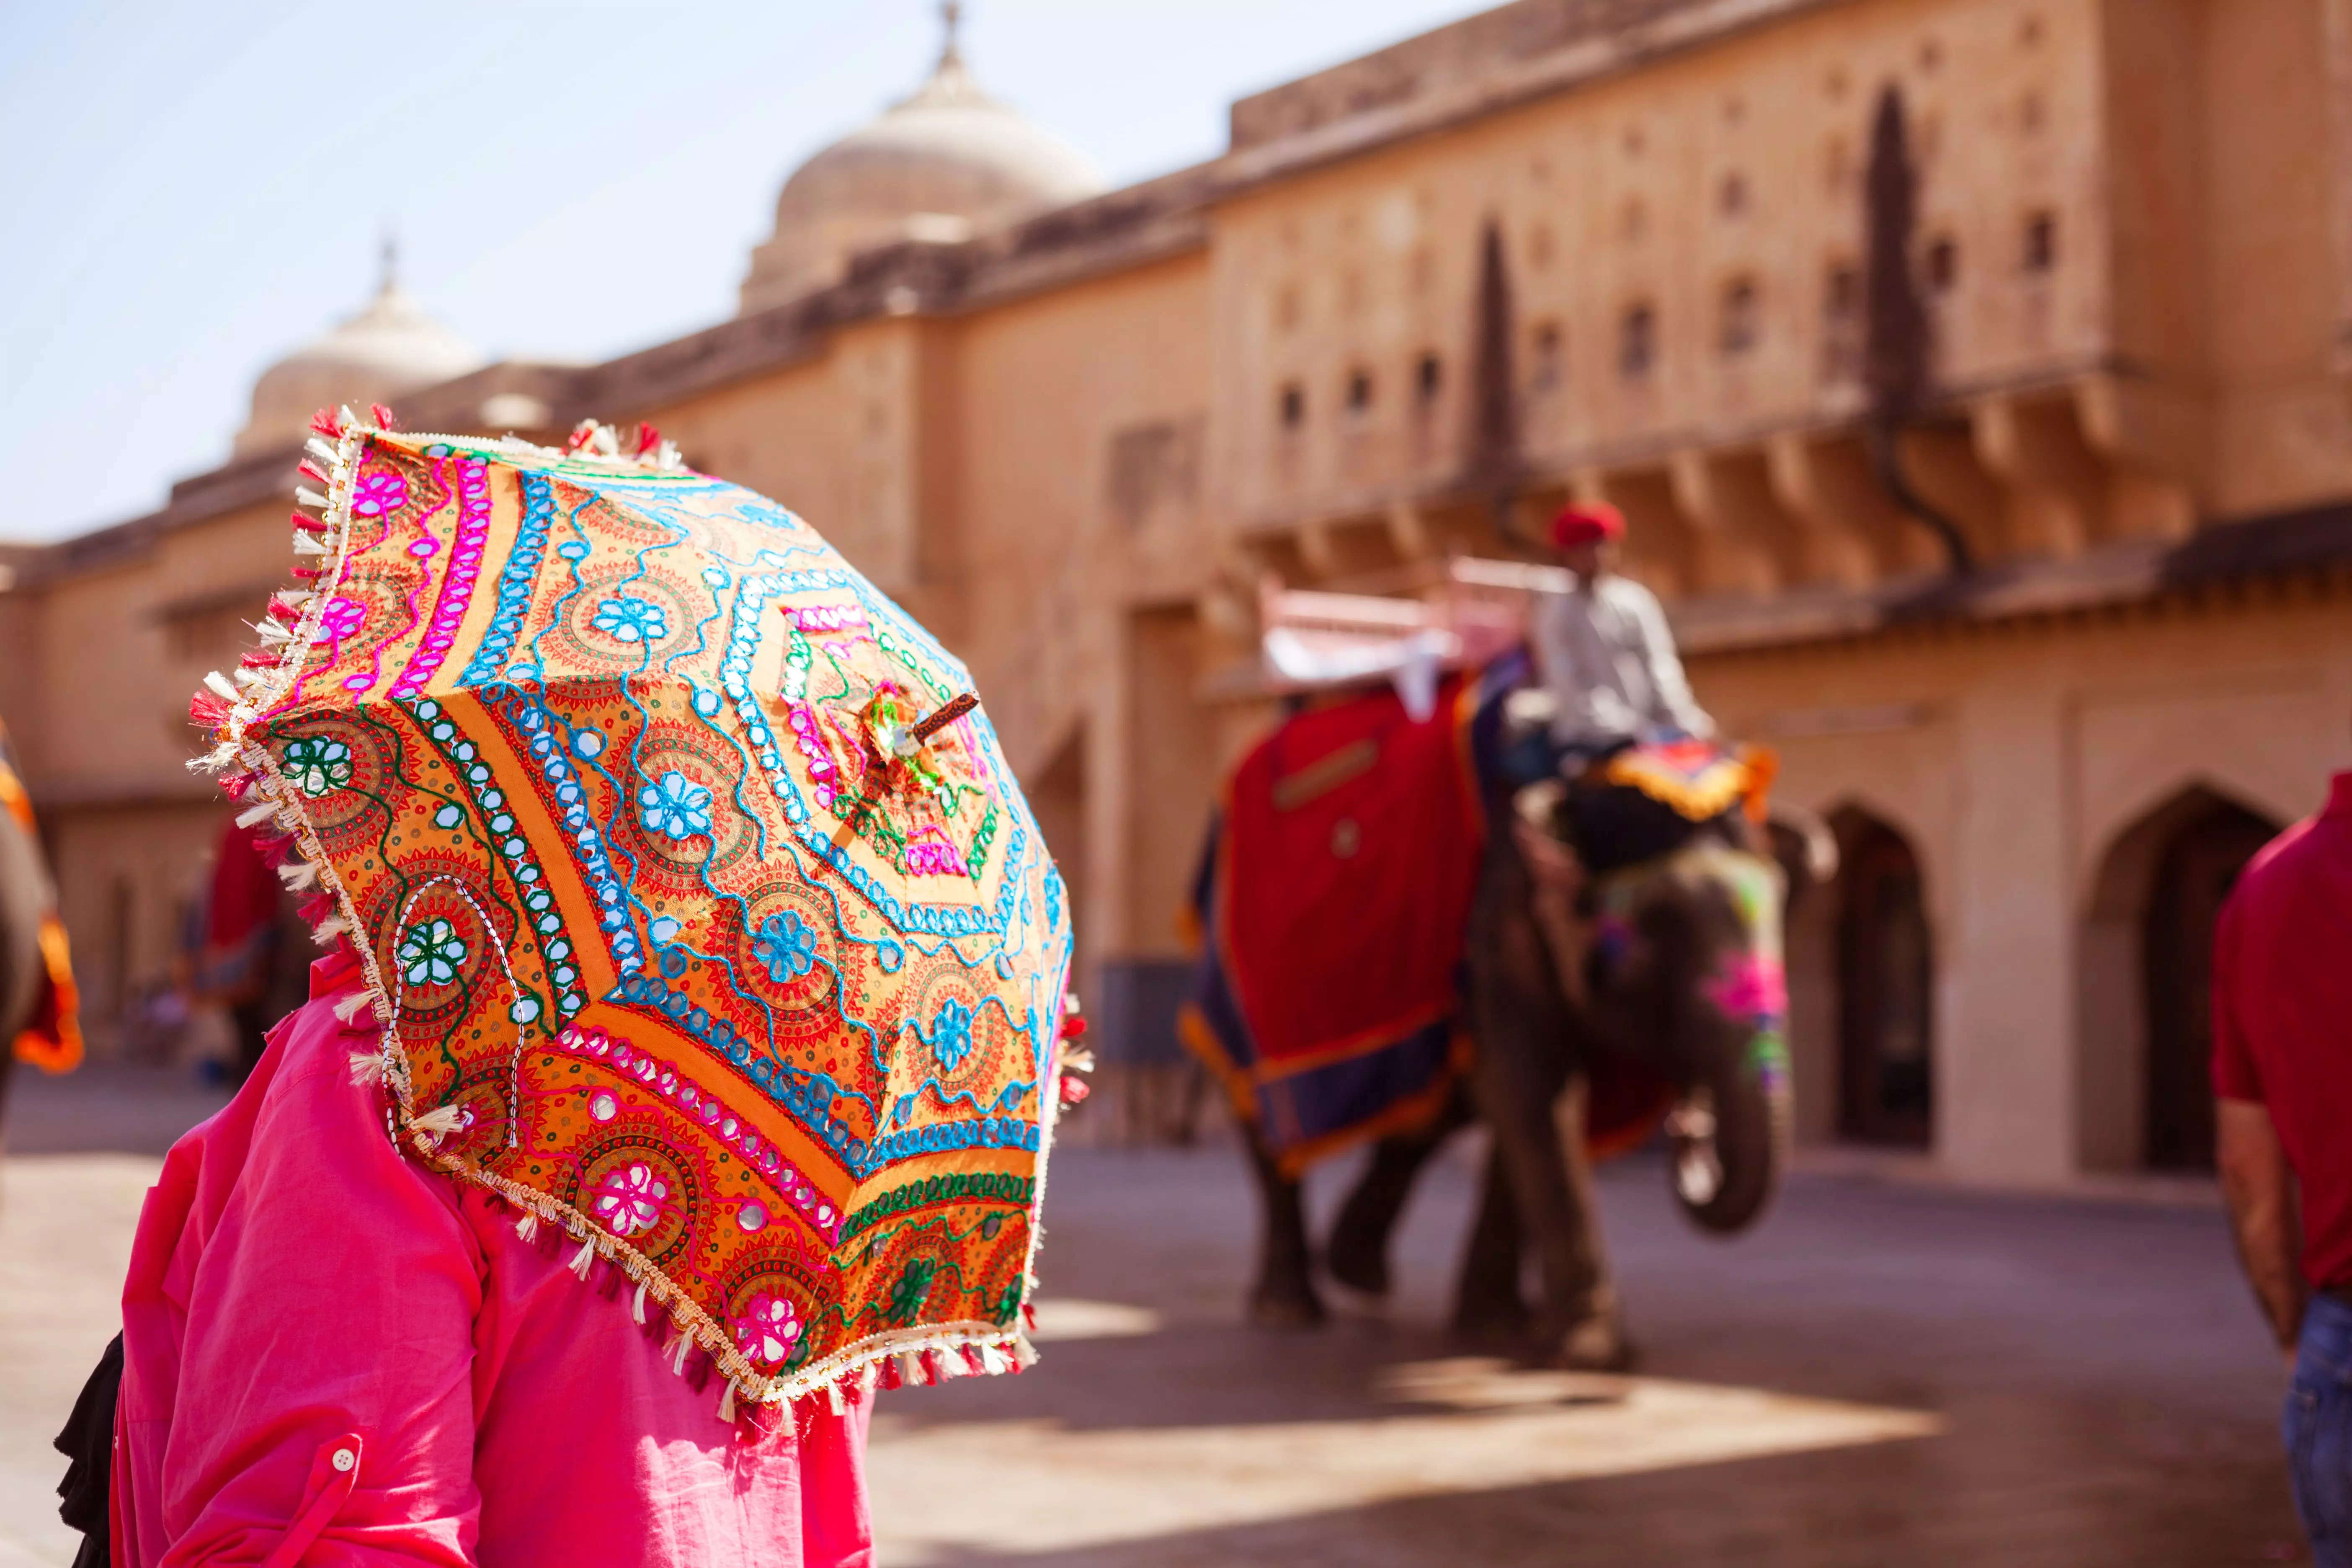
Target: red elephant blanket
1336, 904
1334, 901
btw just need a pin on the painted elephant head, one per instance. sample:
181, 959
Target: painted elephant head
1684, 974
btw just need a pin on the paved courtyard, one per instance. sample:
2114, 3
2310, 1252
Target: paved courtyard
1880, 1373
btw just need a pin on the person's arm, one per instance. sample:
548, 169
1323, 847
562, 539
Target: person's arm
2259, 1187
332, 1315
2257, 1181
1670, 688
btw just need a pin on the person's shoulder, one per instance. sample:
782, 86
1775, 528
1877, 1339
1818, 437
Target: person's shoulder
2317, 846
1625, 591
305, 1076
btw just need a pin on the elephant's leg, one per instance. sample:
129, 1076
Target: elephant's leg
1595, 1340
1487, 1299
1358, 1253
1524, 1039
1284, 1296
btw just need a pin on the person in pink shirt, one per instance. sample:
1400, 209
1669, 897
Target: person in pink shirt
332, 1355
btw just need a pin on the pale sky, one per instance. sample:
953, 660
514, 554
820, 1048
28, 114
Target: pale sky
201, 187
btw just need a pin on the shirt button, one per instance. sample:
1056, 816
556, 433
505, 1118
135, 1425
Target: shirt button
344, 1460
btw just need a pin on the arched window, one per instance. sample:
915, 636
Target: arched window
2041, 247
1428, 378
1943, 266
1886, 987
2144, 981
1743, 317
1637, 342
1544, 355
2194, 873
1293, 405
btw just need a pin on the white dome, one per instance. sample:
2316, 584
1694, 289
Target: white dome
946, 164
390, 348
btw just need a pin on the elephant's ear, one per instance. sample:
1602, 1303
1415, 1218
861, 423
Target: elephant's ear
1805, 848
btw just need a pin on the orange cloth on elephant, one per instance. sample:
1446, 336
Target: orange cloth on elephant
51, 1038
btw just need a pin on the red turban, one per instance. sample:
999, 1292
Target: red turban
1587, 522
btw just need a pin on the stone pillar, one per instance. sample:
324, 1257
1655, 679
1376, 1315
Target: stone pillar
2005, 1090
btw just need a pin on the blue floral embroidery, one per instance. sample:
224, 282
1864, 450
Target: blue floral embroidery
626, 619
515, 584
786, 946
317, 765
676, 808
952, 1034
430, 953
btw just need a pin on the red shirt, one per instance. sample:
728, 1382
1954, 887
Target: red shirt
2282, 1016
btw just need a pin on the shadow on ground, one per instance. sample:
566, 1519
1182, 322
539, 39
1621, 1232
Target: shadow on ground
2082, 1383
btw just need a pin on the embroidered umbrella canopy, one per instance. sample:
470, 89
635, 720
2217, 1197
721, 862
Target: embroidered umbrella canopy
703, 919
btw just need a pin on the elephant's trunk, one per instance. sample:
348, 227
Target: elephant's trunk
1732, 1131
1731, 1134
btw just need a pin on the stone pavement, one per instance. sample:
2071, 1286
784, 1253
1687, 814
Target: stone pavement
1881, 1373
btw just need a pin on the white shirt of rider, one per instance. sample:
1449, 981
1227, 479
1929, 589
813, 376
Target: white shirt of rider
1607, 656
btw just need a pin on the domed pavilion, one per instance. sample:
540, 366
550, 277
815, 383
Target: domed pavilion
388, 349
944, 164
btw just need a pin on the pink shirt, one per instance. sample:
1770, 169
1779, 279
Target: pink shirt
334, 1356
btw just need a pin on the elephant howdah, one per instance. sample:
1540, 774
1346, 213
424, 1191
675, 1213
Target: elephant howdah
1396, 942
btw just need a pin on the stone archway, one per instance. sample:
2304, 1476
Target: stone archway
2144, 992
1885, 986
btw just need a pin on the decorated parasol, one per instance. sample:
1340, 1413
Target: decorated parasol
701, 916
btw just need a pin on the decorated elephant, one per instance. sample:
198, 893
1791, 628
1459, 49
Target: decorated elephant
1597, 992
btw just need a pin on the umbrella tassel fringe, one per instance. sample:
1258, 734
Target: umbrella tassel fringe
438, 1122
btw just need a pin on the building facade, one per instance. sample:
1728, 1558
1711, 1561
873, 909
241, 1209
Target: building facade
1074, 432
